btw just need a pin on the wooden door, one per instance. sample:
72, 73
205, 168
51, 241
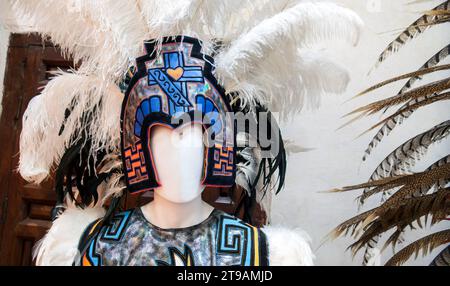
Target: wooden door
24, 208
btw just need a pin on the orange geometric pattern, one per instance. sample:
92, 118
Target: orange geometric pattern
135, 164
223, 161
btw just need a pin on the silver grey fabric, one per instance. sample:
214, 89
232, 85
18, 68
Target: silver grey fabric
132, 240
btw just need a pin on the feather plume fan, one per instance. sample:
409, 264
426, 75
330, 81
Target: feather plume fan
105, 36
263, 48
71, 106
242, 67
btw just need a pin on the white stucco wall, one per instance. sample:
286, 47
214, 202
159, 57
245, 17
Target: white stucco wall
336, 161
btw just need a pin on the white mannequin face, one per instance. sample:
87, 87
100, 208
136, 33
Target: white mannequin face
178, 156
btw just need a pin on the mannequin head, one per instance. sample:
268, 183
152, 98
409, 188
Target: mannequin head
175, 82
178, 159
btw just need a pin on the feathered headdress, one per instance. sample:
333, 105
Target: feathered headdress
262, 59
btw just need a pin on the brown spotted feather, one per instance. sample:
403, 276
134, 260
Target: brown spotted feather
415, 29
426, 244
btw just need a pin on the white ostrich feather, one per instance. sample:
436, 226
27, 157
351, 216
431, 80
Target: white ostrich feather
41, 145
227, 20
123, 20
102, 35
9, 20
169, 18
288, 247
254, 64
207, 20
33, 166
61, 21
59, 247
292, 83
318, 75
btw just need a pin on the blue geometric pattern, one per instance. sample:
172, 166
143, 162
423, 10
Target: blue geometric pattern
235, 237
207, 107
93, 257
175, 89
147, 106
115, 230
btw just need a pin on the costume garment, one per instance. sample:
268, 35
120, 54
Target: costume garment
220, 240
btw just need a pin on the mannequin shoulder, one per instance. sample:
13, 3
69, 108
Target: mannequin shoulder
288, 247
60, 245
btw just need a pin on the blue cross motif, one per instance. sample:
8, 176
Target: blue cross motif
173, 79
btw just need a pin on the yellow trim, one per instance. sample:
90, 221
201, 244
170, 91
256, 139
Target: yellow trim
256, 243
94, 226
189, 262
